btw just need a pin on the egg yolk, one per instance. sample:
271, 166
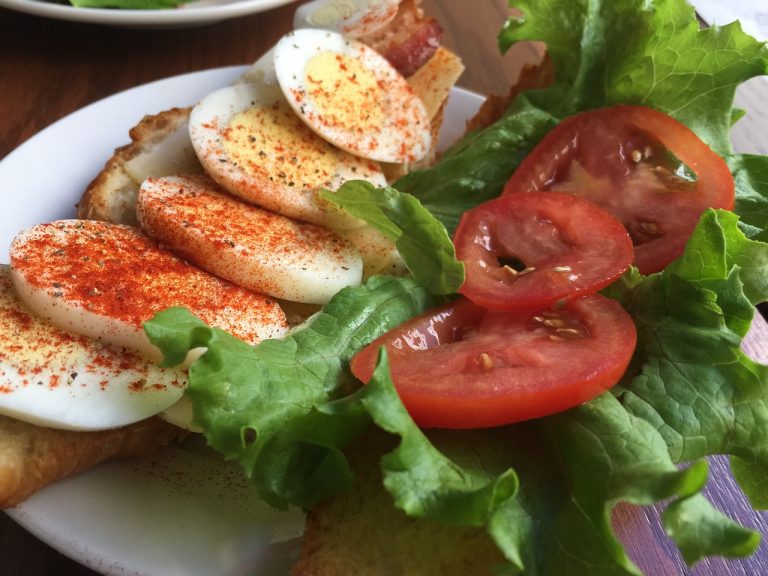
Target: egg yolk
344, 93
274, 142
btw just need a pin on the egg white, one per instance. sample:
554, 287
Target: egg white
50, 377
181, 414
352, 96
249, 246
379, 253
133, 273
281, 167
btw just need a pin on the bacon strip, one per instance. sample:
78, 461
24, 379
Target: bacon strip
409, 40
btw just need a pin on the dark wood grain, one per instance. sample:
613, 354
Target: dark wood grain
50, 68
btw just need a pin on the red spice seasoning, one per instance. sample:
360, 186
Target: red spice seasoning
117, 272
254, 248
33, 353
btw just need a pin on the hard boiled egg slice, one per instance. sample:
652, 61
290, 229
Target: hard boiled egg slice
171, 154
245, 244
352, 96
353, 18
105, 280
54, 378
379, 253
181, 414
261, 72
251, 142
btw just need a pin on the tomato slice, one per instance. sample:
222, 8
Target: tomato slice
529, 250
463, 366
644, 167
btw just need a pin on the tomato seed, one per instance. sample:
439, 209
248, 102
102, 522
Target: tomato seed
570, 333
485, 361
511, 271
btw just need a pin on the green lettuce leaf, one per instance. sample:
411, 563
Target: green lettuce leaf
260, 405
421, 239
750, 174
753, 476
475, 169
641, 52
545, 489
696, 386
699, 530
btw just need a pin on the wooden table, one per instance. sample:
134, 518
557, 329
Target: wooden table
50, 68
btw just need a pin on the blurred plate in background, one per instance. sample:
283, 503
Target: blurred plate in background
195, 13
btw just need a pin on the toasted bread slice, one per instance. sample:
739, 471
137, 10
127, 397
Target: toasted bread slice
361, 532
32, 457
160, 146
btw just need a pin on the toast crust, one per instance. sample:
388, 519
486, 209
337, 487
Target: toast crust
31, 457
111, 195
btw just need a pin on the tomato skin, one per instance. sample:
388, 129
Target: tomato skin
462, 366
621, 159
570, 246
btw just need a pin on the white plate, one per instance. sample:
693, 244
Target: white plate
184, 512
192, 14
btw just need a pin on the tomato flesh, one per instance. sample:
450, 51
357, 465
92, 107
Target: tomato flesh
464, 366
650, 171
563, 247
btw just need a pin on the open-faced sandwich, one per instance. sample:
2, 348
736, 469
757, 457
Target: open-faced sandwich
79, 379
492, 350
